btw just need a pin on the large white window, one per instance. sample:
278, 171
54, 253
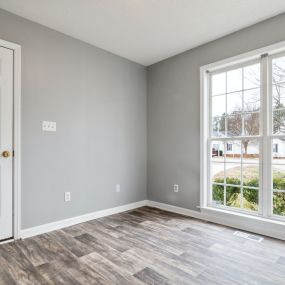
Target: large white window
243, 134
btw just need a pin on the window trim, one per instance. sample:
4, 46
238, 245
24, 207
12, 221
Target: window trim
275, 50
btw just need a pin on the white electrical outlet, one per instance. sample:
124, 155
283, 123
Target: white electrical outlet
67, 196
49, 126
176, 188
118, 188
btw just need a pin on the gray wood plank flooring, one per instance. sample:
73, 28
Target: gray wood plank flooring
143, 246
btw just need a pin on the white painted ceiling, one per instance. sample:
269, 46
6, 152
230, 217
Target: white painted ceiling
145, 31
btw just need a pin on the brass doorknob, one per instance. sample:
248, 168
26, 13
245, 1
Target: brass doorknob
5, 153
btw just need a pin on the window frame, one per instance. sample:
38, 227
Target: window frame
265, 57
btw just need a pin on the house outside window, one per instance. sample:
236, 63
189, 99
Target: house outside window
229, 147
275, 148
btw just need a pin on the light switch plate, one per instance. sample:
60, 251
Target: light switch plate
48, 126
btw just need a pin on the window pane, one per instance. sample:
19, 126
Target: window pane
279, 203
250, 173
250, 199
233, 197
251, 124
218, 173
234, 103
278, 177
278, 99
234, 80
279, 122
251, 76
250, 151
234, 124
236, 163
218, 126
278, 151
218, 194
278, 70
218, 105
217, 151
233, 173
252, 100
233, 151
219, 84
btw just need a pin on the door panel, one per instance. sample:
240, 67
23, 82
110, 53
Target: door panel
6, 143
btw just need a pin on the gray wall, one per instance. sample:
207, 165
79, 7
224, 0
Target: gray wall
99, 103
174, 111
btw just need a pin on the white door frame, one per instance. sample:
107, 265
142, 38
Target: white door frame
16, 136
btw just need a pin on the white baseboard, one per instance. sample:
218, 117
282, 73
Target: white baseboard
79, 219
175, 209
271, 228
7, 241
275, 229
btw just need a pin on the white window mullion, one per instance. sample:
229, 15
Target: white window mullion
266, 142
226, 115
243, 134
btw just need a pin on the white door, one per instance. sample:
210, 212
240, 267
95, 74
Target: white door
6, 143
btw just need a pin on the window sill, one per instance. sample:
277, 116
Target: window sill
264, 226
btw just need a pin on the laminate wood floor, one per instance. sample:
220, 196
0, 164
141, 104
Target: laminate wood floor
143, 246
